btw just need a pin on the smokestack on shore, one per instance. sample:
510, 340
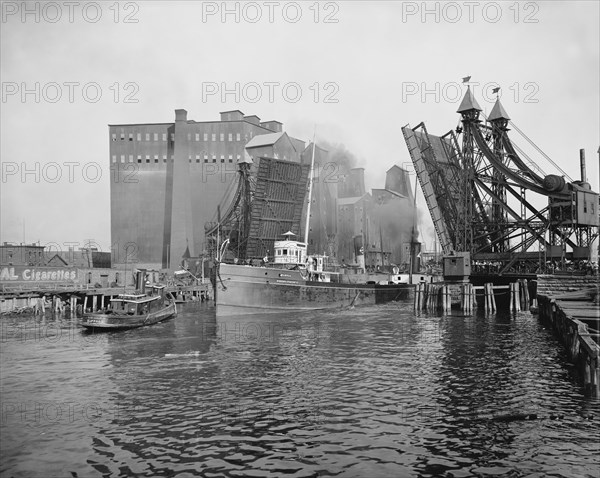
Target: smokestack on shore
582, 165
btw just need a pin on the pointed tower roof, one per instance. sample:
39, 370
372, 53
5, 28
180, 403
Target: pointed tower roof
498, 112
468, 102
245, 158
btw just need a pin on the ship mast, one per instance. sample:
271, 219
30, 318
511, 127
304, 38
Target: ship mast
413, 241
310, 185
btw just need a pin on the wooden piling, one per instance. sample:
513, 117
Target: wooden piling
515, 300
486, 298
563, 312
473, 299
490, 301
446, 298
524, 294
429, 289
432, 297
466, 297
419, 292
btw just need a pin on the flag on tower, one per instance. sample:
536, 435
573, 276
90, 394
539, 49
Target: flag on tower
496, 90
466, 79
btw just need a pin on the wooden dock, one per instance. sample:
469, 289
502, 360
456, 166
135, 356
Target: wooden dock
575, 317
80, 298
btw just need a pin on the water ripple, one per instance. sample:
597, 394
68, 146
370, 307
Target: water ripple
375, 391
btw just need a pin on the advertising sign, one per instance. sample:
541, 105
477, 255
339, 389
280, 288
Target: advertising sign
30, 274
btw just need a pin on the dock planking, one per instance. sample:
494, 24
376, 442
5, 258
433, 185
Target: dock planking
574, 317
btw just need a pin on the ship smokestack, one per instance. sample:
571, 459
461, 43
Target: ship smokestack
140, 281
582, 165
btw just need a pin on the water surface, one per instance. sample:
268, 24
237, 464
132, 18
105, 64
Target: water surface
374, 391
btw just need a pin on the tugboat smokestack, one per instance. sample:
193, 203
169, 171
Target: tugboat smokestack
582, 164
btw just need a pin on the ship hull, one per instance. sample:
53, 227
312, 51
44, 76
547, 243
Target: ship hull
98, 320
251, 290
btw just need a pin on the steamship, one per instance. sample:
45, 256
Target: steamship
296, 281
268, 201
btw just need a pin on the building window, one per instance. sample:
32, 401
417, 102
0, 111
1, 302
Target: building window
130, 136
205, 159
164, 136
231, 158
189, 136
147, 158
114, 158
155, 136
164, 158
139, 159
214, 160
237, 136
214, 137
139, 136
131, 158
197, 136
122, 158
147, 136
222, 137
114, 136
230, 137
172, 136
205, 136
122, 136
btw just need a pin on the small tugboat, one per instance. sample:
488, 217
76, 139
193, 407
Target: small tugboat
128, 311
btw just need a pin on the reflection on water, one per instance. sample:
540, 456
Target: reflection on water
371, 391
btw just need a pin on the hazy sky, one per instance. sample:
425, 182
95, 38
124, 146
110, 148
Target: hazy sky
358, 71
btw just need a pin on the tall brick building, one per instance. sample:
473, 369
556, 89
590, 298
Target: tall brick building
168, 178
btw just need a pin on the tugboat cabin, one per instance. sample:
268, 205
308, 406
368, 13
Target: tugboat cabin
139, 304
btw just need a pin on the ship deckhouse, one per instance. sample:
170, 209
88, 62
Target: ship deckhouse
289, 251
